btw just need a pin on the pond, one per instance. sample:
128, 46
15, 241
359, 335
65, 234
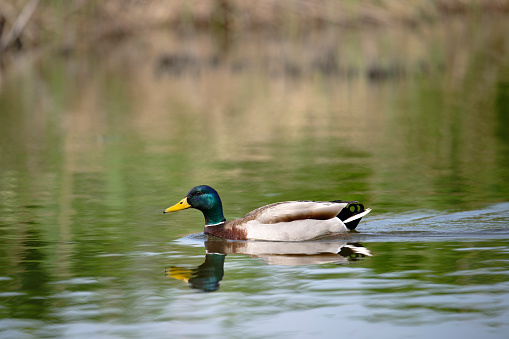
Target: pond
412, 123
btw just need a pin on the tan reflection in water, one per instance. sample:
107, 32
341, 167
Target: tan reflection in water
207, 276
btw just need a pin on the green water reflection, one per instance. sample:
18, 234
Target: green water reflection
94, 147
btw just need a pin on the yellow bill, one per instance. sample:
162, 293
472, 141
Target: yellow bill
181, 205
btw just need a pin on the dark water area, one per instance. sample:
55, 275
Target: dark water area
412, 123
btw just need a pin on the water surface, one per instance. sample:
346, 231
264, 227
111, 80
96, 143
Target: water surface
94, 146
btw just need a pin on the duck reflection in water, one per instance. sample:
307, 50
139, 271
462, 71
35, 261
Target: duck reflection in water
206, 277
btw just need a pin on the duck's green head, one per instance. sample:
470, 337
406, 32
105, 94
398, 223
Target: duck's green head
205, 199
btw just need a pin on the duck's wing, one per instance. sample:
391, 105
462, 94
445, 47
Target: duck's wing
295, 210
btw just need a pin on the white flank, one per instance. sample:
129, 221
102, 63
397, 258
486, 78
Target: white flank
297, 230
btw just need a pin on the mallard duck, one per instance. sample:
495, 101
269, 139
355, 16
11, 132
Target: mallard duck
281, 221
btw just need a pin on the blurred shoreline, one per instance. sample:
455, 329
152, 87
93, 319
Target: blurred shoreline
88, 24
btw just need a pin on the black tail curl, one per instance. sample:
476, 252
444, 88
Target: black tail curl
353, 208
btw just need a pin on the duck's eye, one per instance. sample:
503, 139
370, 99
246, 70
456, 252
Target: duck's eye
198, 193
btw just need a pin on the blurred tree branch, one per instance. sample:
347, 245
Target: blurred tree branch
7, 40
